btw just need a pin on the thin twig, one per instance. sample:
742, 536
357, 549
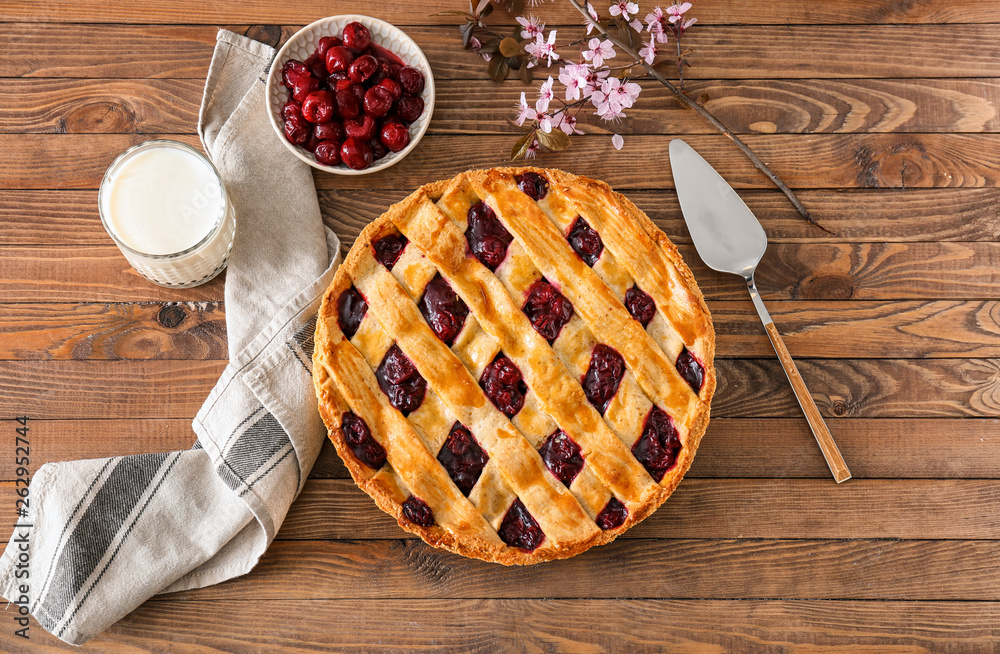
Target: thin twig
690, 102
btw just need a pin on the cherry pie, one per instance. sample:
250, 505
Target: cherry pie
516, 364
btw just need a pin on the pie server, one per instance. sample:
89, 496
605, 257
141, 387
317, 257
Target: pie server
729, 239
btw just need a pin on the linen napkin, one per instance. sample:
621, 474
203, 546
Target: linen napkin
104, 535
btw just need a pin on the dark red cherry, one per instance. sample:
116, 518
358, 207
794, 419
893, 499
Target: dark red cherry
395, 136
399, 380
603, 376
318, 107
297, 130
328, 153
585, 242
292, 70
409, 108
325, 44
562, 457
351, 309
303, 86
640, 305
612, 515
338, 59
519, 529
317, 67
356, 154
659, 444
416, 511
362, 127
378, 148
547, 309
311, 143
443, 310
332, 131
691, 370
389, 248
411, 79
347, 104
392, 86
362, 68
533, 185
463, 458
359, 438
488, 238
378, 100
356, 36
503, 384
290, 109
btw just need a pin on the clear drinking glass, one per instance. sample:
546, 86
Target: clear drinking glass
167, 210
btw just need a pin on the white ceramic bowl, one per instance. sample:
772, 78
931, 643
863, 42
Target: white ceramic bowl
303, 43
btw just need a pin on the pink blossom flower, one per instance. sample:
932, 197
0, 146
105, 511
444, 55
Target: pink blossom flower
597, 51
532, 149
476, 47
593, 14
532, 26
676, 12
542, 49
594, 80
545, 122
617, 141
688, 23
614, 97
648, 53
627, 11
656, 23
545, 96
566, 123
524, 112
574, 78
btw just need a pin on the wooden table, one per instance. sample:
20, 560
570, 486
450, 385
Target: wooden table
884, 114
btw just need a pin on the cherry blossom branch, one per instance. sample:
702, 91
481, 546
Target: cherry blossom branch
705, 113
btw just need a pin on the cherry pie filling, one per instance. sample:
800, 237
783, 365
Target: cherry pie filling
503, 384
463, 458
659, 444
519, 529
603, 376
562, 457
351, 309
416, 511
547, 309
585, 242
488, 238
443, 310
389, 248
640, 305
399, 380
612, 515
533, 185
359, 438
691, 370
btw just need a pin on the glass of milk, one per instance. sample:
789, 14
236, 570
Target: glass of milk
166, 208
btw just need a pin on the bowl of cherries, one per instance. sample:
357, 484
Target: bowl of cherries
350, 94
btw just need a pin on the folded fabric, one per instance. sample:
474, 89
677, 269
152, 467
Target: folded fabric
104, 535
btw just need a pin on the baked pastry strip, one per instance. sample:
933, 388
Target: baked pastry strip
405, 452
560, 516
560, 394
605, 315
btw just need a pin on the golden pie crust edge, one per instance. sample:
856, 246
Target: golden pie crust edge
332, 406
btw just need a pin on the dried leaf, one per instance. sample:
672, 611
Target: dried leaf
556, 140
498, 69
510, 47
466, 32
521, 147
483, 4
486, 12
527, 74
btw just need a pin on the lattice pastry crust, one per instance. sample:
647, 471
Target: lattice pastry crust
567, 457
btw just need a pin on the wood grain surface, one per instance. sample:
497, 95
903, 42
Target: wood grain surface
884, 115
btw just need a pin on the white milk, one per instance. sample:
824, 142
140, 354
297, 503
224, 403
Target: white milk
165, 206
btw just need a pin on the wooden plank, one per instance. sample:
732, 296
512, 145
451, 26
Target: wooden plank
861, 388
716, 508
773, 569
486, 626
778, 12
834, 329
967, 448
789, 271
138, 331
829, 161
860, 216
769, 106
718, 52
